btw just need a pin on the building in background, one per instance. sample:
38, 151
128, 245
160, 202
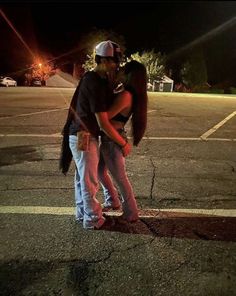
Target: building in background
164, 84
61, 79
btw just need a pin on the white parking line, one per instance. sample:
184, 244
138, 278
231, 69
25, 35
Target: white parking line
188, 139
58, 135
217, 126
142, 213
33, 113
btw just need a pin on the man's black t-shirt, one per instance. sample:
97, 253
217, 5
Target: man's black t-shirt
93, 95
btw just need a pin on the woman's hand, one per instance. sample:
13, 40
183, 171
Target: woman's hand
126, 149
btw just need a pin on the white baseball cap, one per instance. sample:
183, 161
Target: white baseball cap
108, 49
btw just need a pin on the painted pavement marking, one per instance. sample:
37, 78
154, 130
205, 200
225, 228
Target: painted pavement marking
58, 135
33, 113
145, 213
217, 126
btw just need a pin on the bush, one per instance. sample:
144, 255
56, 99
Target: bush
216, 91
200, 90
233, 90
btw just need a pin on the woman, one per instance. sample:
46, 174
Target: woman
130, 102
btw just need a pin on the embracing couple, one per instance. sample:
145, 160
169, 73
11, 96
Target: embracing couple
94, 135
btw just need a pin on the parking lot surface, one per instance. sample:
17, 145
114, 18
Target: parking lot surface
184, 178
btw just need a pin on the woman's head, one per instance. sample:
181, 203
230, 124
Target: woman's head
135, 80
135, 71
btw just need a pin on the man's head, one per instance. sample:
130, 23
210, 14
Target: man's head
108, 50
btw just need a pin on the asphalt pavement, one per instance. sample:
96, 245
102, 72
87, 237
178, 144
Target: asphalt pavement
184, 178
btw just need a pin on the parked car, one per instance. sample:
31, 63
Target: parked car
36, 82
7, 81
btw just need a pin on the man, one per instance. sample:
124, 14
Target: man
88, 113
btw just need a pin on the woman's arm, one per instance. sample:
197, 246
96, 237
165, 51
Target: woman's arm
122, 101
112, 133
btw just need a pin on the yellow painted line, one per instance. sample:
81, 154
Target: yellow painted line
143, 212
217, 126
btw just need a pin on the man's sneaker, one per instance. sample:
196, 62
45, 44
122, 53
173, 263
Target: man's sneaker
79, 220
106, 208
94, 225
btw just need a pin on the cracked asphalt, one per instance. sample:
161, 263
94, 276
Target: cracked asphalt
166, 252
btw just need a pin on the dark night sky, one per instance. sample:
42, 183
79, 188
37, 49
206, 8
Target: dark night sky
57, 27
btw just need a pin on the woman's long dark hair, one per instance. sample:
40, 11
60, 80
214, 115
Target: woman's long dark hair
66, 154
136, 83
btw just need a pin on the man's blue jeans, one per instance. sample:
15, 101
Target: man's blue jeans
88, 208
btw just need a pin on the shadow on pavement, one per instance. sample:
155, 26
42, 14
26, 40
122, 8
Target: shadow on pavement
198, 228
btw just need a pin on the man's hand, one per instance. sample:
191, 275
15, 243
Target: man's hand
126, 149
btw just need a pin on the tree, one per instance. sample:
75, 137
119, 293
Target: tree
154, 63
42, 71
39, 70
194, 71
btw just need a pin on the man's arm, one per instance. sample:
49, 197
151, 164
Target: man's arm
111, 132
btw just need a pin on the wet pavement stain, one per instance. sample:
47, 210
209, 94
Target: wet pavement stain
52, 278
79, 276
18, 154
16, 275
